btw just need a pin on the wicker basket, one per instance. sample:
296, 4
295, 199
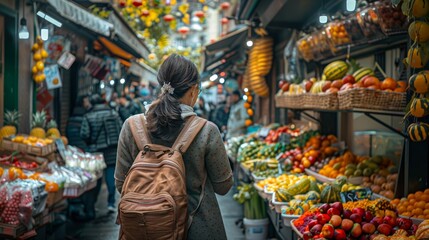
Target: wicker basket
372, 99
7, 144
290, 101
327, 101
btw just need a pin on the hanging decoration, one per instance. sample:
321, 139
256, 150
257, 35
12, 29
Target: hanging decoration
39, 57
224, 21
183, 31
417, 59
225, 6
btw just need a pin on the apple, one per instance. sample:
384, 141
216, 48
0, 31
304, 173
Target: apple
307, 235
326, 85
346, 87
356, 218
332, 90
339, 234
323, 218
356, 230
368, 228
384, 229
333, 211
308, 85
338, 206
337, 84
312, 223
324, 208
377, 221
359, 211
335, 220
404, 223
390, 220
368, 216
349, 79
347, 224
347, 213
285, 87
328, 231
316, 229
281, 83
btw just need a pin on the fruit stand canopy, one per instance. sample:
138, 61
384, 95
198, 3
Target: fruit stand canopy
226, 49
283, 13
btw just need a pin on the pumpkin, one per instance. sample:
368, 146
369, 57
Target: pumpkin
417, 57
314, 187
419, 82
419, 8
312, 196
330, 194
336, 70
419, 107
419, 31
283, 195
418, 132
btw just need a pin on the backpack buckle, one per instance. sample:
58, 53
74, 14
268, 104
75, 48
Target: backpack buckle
146, 149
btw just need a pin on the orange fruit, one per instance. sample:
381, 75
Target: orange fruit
427, 216
417, 211
426, 212
424, 197
426, 191
418, 195
407, 214
412, 201
420, 204
410, 208
411, 196
427, 206
421, 216
402, 209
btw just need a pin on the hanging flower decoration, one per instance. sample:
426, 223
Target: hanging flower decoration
225, 6
183, 31
224, 21
168, 18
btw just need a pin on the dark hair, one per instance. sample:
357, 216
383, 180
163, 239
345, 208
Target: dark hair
79, 101
164, 116
96, 99
237, 93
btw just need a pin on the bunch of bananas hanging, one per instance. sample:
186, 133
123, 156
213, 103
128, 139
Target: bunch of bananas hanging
259, 64
246, 81
39, 56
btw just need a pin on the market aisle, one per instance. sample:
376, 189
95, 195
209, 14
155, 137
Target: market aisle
104, 227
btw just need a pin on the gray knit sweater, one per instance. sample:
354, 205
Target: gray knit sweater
206, 153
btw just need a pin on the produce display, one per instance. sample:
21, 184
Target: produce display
392, 19
369, 22
11, 122
33, 141
416, 205
334, 221
337, 33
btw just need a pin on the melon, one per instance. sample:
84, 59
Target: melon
418, 131
363, 72
336, 70
419, 82
419, 31
419, 107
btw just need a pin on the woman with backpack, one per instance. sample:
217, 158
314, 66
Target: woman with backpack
159, 151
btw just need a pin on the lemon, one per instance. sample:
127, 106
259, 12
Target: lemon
40, 66
35, 47
37, 57
34, 70
44, 53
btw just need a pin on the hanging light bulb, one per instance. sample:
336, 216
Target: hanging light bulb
122, 81
44, 33
222, 80
323, 18
249, 43
23, 30
351, 5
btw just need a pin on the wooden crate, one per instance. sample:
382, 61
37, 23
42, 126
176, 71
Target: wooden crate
13, 231
7, 144
54, 197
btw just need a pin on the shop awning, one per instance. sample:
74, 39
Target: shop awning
220, 52
144, 71
126, 37
114, 49
82, 17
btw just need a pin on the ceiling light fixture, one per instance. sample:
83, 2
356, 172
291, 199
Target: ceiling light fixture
49, 18
122, 81
23, 30
249, 43
351, 5
44, 33
213, 77
222, 80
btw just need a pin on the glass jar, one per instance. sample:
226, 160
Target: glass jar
304, 48
353, 29
392, 20
369, 22
337, 34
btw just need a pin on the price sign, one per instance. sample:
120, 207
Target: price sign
285, 138
264, 132
356, 195
61, 148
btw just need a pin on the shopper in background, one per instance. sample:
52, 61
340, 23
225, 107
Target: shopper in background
237, 116
220, 116
74, 123
200, 108
127, 107
100, 129
206, 155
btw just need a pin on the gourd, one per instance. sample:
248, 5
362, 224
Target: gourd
312, 196
283, 195
417, 57
330, 194
419, 82
302, 186
419, 107
335, 70
418, 132
314, 187
363, 72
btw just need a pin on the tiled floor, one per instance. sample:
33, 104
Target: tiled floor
104, 227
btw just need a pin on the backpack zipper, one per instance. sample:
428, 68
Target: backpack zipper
168, 162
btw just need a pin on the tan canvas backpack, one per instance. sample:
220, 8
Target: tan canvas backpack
154, 201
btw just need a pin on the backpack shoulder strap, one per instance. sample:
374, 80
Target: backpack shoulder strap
139, 130
191, 129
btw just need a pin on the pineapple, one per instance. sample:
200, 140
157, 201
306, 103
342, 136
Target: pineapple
53, 131
38, 125
11, 122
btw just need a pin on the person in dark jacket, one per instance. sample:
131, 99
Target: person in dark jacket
75, 122
100, 129
127, 108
